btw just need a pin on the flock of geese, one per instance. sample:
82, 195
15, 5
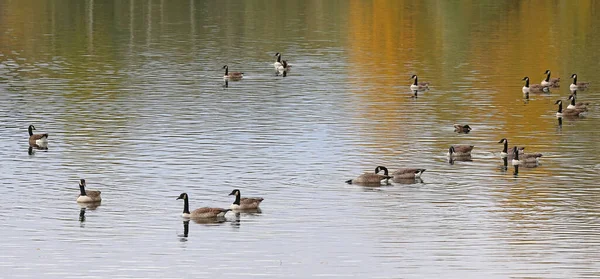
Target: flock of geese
455, 152
516, 154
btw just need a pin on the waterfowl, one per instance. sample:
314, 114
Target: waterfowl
232, 75
87, 195
371, 178
579, 106
462, 128
407, 173
244, 203
578, 86
534, 88
416, 85
37, 140
508, 152
460, 150
203, 212
527, 159
566, 112
554, 82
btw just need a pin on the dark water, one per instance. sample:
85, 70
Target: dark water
132, 95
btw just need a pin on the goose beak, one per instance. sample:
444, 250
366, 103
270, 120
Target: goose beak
178, 198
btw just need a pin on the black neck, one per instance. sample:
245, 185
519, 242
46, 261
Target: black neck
548, 77
575, 80
527, 83
516, 153
573, 101
505, 149
279, 58
559, 107
82, 190
186, 205
237, 199
226, 71
30, 131
416, 79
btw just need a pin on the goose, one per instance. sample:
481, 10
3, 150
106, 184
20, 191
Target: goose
88, 195
462, 128
418, 85
407, 173
203, 212
566, 112
37, 140
508, 152
232, 75
371, 178
277, 63
460, 150
578, 86
534, 88
244, 203
550, 82
580, 105
527, 159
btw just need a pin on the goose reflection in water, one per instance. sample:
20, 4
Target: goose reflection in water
466, 158
31, 150
186, 230
408, 180
82, 214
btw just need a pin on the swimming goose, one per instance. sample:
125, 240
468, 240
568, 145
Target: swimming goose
533, 88
418, 85
407, 173
244, 203
578, 86
550, 82
580, 105
462, 128
566, 112
527, 159
460, 150
87, 195
371, 178
232, 75
203, 212
37, 140
508, 152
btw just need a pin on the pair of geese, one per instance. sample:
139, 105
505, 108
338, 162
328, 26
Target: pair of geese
281, 68
517, 155
93, 196
552, 83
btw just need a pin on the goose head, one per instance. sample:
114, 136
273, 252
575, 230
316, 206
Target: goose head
574, 76
380, 168
183, 196
235, 192
504, 140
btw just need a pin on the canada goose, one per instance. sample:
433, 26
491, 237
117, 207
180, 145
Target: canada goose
232, 75
407, 173
550, 82
203, 212
244, 203
460, 150
578, 86
462, 128
87, 195
579, 105
418, 85
566, 112
371, 178
508, 152
533, 88
37, 140
529, 160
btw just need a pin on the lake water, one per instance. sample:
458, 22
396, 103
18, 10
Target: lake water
132, 95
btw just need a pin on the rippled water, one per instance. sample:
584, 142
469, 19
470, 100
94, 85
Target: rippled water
132, 95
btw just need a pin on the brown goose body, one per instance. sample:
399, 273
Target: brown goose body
87, 196
460, 150
201, 213
462, 128
244, 203
371, 178
566, 112
232, 75
407, 173
577, 105
37, 140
